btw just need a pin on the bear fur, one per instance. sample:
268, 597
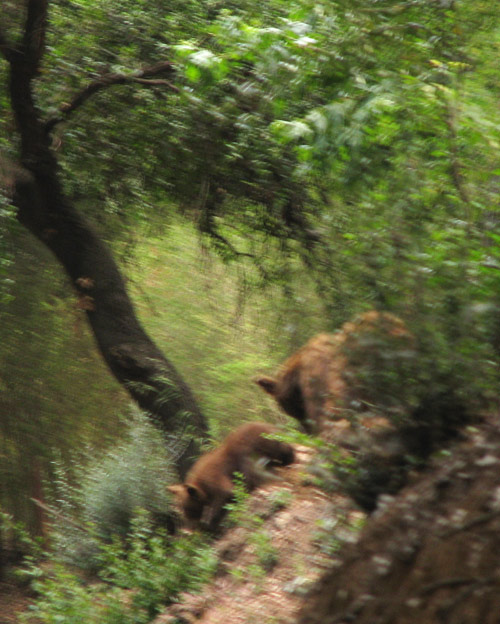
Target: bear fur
209, 484
322, 378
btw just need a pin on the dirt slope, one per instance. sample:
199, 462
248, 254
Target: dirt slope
13, 601
430, 556
252, 587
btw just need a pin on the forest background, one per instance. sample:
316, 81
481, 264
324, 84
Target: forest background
294, 164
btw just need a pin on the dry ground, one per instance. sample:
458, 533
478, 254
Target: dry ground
243, 592
13, 600
432, 554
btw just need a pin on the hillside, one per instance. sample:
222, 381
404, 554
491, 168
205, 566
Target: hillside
269, 563
431, 554
428, 555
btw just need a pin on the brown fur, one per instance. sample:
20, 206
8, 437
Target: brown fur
312, 385
209, 483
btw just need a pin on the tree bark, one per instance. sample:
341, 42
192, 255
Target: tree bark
44, 209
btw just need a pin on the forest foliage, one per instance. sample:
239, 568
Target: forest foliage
302, 162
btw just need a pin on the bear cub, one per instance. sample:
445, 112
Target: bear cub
209, 484
318, 381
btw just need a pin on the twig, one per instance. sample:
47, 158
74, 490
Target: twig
455, 165
58, 514
206, 222
158, 82
449, 582
445, 608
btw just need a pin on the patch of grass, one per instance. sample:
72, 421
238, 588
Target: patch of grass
279, 499
238, 513
265, 551
217, 327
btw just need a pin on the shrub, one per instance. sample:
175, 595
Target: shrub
108, 491
138, 575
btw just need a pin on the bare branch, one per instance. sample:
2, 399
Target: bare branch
59, 515
206, 225
482, 519
215, 235
157, 83
109, 80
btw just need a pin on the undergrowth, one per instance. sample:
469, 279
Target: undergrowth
138, 576
98, 498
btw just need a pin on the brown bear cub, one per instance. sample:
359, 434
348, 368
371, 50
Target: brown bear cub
209, 484
319, 380
307, 381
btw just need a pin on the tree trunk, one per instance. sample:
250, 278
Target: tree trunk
45, 210
129, 352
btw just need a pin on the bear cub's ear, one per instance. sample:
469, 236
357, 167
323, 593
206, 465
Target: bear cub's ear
268, 384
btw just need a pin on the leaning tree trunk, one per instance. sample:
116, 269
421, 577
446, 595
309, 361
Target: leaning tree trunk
45, 210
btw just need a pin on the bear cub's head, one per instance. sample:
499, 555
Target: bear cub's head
190, 499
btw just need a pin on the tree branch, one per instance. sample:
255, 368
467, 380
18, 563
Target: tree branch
34, 34
130, 354
208, 203
109, 80
157, 83
24, 59
44, 209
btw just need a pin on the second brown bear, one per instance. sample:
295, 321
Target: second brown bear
318, 381
209, 484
